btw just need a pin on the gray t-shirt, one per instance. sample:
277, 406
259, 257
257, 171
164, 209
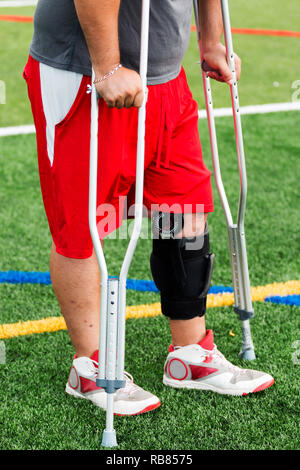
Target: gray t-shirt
58, 40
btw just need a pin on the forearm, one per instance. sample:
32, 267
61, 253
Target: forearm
99, 22
210, 22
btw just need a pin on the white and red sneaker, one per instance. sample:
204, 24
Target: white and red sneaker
201, 366
130, 400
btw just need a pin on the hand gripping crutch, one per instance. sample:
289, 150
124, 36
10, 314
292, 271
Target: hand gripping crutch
236, 233
113, 291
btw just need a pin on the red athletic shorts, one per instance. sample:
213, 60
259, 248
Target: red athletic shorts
175, 174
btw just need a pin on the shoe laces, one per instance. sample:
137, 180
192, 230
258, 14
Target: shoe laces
93, 367
130, 386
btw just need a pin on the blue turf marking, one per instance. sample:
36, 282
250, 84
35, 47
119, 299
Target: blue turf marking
287, 299
33, 277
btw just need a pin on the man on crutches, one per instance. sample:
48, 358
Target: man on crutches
70, 37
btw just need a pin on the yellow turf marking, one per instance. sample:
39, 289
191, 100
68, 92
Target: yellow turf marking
51, 324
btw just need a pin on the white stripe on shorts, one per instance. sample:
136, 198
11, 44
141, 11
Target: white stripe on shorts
59, 89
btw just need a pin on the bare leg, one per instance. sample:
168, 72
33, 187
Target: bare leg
186, 332
192, 331
76, 283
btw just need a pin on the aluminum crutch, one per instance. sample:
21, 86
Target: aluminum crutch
236, 233
113, 290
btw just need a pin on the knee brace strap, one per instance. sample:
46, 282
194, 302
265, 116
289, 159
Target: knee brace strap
182, 271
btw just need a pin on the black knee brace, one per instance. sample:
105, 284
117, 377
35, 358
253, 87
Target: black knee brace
182, 271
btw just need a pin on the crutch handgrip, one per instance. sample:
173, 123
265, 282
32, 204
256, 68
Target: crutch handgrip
110, 386
207, 68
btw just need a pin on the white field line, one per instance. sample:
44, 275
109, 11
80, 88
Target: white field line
17, 3
218, 112
254, 109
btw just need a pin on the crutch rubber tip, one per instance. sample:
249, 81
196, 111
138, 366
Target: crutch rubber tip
248, 355
109, 439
